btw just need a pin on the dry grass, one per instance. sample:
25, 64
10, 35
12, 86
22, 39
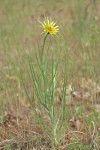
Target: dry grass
80, 34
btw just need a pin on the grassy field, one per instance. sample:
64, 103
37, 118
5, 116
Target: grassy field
79, 41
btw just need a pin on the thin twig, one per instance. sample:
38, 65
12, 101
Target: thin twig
6, 141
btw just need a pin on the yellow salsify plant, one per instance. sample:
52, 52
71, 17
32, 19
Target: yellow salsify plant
49, 27
44, 78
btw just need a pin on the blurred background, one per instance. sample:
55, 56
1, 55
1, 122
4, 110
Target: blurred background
79, 38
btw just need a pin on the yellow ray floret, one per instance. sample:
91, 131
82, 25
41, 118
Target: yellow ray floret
49, 26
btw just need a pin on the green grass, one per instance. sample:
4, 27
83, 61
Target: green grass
79, 37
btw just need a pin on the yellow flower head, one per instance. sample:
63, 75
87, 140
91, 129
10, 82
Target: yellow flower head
49, 26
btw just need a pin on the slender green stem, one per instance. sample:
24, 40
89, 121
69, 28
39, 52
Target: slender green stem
43, 46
